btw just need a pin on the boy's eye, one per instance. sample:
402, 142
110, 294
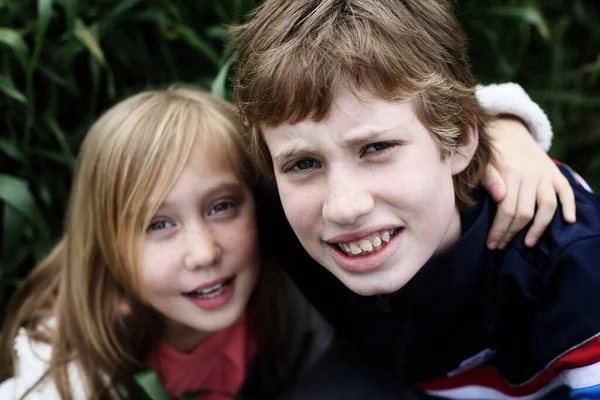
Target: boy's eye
305, 164
377, 147
159, 225
221, 207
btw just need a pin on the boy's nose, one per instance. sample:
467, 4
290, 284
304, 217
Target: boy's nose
203, 250
346, 200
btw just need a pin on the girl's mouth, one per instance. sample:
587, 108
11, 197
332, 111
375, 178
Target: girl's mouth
212, 291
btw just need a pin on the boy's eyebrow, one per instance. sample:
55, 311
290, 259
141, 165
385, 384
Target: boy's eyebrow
285, 155
365, 134
357, 137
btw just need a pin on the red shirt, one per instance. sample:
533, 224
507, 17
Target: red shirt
217, 364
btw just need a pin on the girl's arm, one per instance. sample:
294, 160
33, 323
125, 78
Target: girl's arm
524, 176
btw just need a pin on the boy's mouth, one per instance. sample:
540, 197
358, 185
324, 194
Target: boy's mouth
367, 245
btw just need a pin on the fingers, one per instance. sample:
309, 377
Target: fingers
504, 215
523, 211
566, 196
547, 203
493, 183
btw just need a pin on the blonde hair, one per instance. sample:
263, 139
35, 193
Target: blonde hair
137, 148
293, 55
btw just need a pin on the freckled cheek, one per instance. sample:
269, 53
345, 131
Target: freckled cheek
302, 207
159, 271
240, 240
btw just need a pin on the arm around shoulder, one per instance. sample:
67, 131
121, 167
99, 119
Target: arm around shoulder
510, 98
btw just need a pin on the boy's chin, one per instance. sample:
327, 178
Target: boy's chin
373, 285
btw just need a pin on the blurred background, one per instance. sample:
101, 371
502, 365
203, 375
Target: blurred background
62, 62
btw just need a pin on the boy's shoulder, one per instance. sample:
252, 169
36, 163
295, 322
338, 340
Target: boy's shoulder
548, 296
537, 309
562, 238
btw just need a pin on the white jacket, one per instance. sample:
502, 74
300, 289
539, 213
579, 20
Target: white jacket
32, 362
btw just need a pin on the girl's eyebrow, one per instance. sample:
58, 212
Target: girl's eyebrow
235, 187
227, 186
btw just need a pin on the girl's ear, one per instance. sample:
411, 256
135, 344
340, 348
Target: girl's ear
461, 157
124, 307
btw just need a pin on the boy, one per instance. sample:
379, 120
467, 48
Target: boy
365, 113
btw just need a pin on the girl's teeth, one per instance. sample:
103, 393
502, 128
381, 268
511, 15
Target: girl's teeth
377, 241
212, 291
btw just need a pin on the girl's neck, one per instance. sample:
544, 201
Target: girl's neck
182, 338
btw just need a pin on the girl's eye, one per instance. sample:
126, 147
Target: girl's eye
305, 164
221, 207
377, 147
159, 225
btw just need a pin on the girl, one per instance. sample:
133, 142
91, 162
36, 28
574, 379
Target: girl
159, 265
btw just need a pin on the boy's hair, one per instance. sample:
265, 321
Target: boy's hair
294, 54
135, 150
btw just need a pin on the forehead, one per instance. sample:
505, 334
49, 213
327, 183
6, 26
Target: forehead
214, 157
354, 114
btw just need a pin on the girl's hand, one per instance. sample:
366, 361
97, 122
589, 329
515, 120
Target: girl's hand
523, 176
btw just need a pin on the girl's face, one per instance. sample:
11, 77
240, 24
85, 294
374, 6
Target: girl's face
199, 256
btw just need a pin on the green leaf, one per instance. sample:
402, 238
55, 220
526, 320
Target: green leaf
8, 88
14, 40
45, 15
56, 78
12, 233
61, 138
11, 149
53, 156
191, 38
121, 7
14, 191
71, 11
528, 14
219, 85
151, 386
87, 37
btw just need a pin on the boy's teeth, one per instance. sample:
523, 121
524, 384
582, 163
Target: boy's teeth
367, 245
386, 236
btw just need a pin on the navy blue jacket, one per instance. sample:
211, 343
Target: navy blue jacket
473, 322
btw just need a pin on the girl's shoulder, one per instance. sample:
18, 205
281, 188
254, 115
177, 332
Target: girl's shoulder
310, 335
31, 366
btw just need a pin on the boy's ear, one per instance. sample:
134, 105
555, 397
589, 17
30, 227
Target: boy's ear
461, 157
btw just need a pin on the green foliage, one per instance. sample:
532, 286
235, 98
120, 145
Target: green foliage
64, 61
551, 48
147, 386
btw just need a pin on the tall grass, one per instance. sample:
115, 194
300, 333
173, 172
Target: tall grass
63, 61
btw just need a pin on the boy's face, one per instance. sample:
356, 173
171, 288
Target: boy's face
366, 190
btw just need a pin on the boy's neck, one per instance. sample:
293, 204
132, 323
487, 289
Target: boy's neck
453, 233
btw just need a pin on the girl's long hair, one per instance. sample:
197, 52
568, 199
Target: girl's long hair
84, 298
